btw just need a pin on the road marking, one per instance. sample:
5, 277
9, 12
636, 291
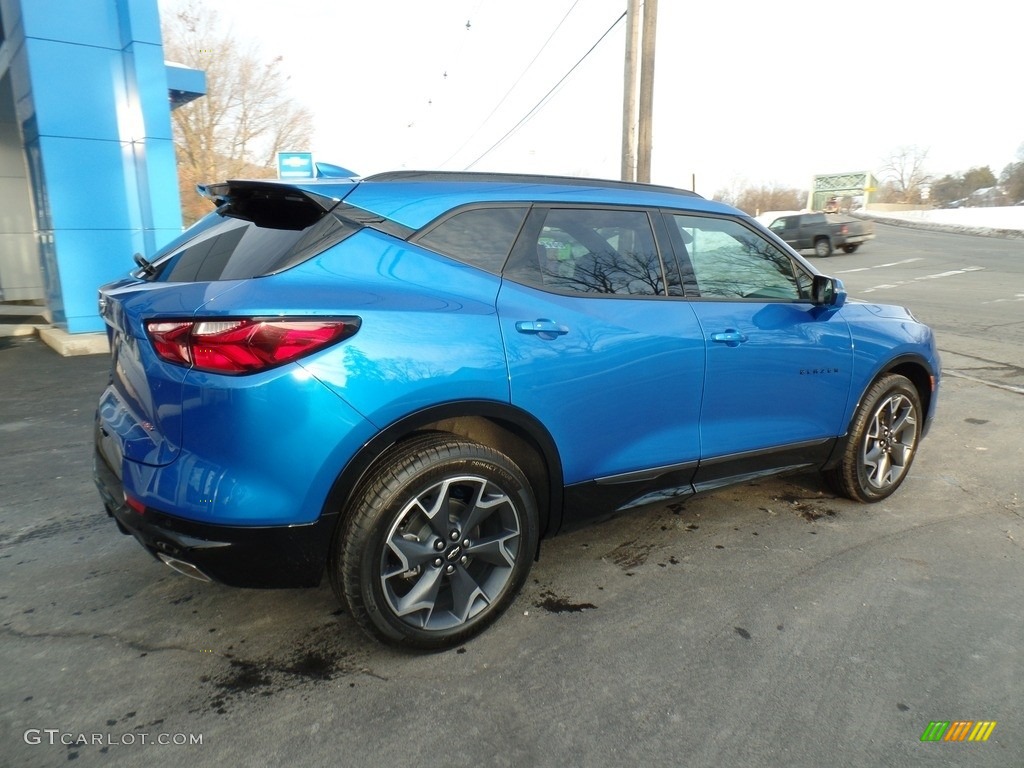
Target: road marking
950, 273
879, 266
961, 375
1018, 297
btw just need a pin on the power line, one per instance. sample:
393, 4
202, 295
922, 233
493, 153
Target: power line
516, 83
537, 107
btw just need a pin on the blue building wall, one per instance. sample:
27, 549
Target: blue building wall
90, 93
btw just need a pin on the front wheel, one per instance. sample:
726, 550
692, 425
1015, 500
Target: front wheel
437, 543
883, 440
822, 247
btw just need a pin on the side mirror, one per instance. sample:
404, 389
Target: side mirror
828, 291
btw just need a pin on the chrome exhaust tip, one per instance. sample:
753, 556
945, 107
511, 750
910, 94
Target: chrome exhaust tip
185, 569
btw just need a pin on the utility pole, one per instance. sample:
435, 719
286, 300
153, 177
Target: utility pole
636, 126
643, 153
629, 91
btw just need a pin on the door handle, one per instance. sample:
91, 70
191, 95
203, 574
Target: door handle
731, 338
546, 329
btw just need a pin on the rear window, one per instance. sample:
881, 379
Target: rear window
236, 249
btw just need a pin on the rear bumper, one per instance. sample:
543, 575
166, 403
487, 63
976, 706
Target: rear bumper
239, 556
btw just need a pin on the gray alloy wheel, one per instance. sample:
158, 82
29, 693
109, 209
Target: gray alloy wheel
822, 247
883, 441
437, 544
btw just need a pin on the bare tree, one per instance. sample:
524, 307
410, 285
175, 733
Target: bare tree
904, 175
767, 197
246, 116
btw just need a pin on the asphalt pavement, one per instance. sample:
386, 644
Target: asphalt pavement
770, 624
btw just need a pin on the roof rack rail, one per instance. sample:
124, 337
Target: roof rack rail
521, 178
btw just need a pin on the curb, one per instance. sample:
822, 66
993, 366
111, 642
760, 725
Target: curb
74, 344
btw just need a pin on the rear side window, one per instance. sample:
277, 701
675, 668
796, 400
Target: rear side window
592, 251
236, 249
481, 237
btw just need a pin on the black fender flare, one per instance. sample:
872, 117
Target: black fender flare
506, 416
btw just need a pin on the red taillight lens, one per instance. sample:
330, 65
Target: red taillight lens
135, 504
244, 345
171, 340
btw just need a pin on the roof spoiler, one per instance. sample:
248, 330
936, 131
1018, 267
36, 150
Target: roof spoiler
268, 203
240, 191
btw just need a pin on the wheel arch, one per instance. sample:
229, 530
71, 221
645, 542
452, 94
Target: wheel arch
913, 367
501, 426
921, 376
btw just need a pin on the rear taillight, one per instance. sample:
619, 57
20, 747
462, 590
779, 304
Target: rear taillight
135, 504
244, 345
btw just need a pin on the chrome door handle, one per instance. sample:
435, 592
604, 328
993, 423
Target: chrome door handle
546, 329
730, 338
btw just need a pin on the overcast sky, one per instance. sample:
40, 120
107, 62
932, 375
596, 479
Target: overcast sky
745, 92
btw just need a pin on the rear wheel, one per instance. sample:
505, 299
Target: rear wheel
822, 247
437, 543
850, 248
883, 440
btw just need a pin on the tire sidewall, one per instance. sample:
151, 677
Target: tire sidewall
412, 475
879, 393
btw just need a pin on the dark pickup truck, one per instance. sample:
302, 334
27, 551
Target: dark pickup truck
824, 233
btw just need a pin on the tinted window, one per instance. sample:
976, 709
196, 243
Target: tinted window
591, 251
732, 262
235, 249
482, 237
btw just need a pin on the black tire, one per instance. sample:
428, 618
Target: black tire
436, 544
850, 248
822, 247
883, 440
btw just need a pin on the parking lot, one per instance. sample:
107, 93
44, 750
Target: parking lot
770, 624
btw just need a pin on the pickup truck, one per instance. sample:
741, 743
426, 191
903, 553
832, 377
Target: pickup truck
822, 232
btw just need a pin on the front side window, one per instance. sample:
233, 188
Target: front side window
730, 261
591, 251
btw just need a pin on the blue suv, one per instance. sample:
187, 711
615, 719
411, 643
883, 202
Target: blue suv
408, 380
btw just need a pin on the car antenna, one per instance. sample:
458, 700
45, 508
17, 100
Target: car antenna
146, 266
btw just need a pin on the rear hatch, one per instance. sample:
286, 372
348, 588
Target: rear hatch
259, 228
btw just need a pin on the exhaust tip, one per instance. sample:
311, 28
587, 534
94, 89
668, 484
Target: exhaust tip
185, 569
